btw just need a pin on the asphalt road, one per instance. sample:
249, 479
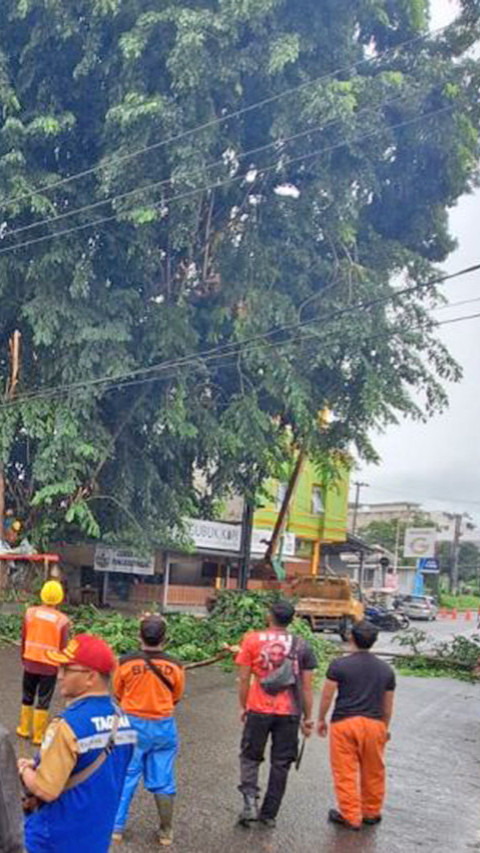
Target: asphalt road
433, 776
441, 630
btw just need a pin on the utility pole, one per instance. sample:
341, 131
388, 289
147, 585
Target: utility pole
284, 509
14, 347
397, 547
247, 528
457, 532
358, 485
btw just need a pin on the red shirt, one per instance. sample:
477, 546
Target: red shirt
263, 651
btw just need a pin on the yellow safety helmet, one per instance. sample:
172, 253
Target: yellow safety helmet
52, 593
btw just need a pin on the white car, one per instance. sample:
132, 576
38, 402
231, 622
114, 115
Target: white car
420, 607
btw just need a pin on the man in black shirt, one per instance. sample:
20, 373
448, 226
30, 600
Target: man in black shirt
359, 729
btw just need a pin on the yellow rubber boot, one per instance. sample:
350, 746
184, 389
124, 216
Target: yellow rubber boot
40, 723
26, 720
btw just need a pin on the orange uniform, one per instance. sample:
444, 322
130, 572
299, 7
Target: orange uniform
45, 629
358, 734
141, 692
357, 746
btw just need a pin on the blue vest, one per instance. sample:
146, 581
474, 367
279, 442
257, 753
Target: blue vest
81, 820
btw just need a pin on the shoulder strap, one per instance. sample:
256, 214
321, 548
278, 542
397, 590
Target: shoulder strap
158, 672
83, 775
295, 647
298, 686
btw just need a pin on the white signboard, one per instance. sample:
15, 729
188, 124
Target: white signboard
121, 560
214, 535
261, 537
288, 545
419, 542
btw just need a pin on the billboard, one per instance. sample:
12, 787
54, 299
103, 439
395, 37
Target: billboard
214, 535
122, 560
419, 542
429, 566
261, 537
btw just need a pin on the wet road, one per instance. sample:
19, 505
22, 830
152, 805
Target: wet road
433, 776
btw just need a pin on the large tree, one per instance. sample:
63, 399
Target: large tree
249, 231
468, 560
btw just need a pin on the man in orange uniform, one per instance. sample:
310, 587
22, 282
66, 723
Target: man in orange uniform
45, 629
359, 729
148, 684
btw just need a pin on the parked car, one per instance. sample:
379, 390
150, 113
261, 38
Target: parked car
420, 607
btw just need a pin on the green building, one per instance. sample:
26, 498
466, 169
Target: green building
317, 515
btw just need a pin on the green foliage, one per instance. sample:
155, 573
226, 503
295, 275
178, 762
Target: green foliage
460, 602
468, 559
457, 658
10, 628
87, 83
189, 638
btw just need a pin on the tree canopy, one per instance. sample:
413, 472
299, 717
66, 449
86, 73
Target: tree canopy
468, 560
299, 163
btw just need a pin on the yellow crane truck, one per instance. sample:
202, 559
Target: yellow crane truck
328, 603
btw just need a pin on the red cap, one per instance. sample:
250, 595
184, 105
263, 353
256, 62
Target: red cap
88, 651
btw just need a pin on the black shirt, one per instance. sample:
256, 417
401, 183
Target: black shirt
362, 681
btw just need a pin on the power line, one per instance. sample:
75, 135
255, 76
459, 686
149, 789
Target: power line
241, 350
277, 330
456, 304
236, 348
232, 358
221, 119
280, 142
458, 319
227, 181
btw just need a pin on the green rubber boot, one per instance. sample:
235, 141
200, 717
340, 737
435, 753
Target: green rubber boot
165, 813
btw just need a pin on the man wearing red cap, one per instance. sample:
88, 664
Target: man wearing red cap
78, 778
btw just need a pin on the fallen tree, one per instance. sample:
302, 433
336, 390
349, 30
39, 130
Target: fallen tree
192, 639
458, 657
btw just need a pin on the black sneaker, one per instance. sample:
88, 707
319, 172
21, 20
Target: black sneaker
267, 822
336, 817
249, 813
372, 821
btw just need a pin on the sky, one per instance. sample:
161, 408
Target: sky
437, 464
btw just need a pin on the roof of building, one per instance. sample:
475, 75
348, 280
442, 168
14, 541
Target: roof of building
353, 544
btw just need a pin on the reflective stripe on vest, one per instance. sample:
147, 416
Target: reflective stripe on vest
43, 633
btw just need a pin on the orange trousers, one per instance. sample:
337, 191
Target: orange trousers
357, 745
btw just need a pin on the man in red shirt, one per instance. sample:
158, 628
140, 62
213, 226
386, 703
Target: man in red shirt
276, 698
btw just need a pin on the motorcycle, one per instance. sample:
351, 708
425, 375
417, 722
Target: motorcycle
386, 620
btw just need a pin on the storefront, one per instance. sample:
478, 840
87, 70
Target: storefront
104, 575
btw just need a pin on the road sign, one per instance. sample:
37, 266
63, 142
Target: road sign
419, 542
428, 565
